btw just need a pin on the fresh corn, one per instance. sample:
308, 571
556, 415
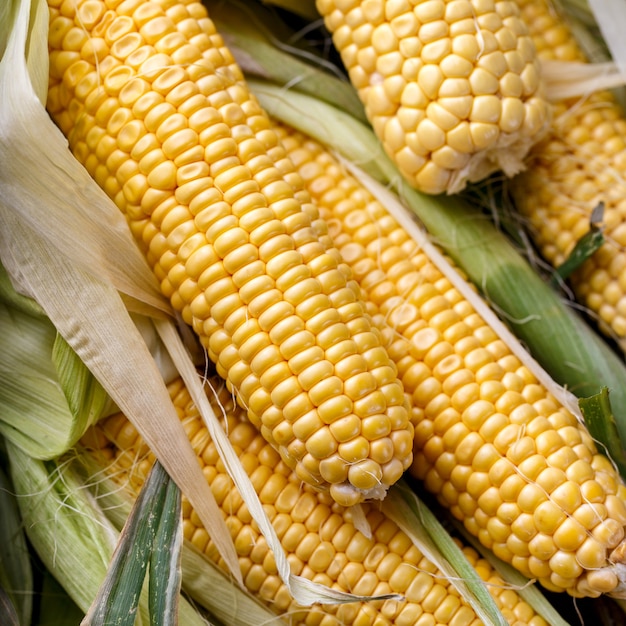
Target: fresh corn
451, 88
156, 109
318, 535
518, 469
581, 163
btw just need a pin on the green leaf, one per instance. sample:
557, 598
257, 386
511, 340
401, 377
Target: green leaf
585, 246
86, 398
16, 576
601, 423
66, 531
165, 562
14, 299
35, 413
118, 598
203, 580
35, 358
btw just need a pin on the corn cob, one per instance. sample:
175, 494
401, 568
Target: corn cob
578, 165
451, 88
156, 109
318, 535
518, 469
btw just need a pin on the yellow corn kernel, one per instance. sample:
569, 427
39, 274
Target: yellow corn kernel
156, 109
451, 88
321, 542
489, 439
580, 163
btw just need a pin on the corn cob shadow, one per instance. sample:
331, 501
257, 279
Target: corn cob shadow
518, 469
319, 536
157, 111
580, 163
451, 89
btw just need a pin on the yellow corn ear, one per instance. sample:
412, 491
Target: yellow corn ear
581, 163
451, 88
156, 109
519, 470
318, 535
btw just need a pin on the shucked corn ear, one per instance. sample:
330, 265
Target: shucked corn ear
451, 88
581, 163
517, 468
318, 535
157, 111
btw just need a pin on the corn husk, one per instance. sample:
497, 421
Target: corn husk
150, 544
16, 574
267, 48
69, 531
47, 396
202, 580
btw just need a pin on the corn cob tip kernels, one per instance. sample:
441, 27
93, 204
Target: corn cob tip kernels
452, 89
158, 112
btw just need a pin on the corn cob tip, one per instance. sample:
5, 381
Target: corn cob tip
347, 495
452, 89
615, 576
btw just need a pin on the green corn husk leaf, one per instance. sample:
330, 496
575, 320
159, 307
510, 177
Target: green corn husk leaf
203, 581
152, 535
267, 48
414, 517
16, 575
69, 531
43, 408
568, 349
66, 532
585, 246
165, 563
602, 426
9, 296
